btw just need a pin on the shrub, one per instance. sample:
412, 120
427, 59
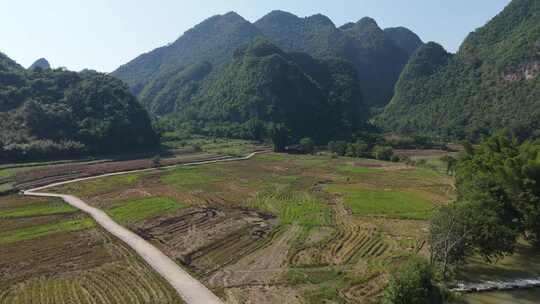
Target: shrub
307, 145
412, 284
196, 148
383, 152
338, 147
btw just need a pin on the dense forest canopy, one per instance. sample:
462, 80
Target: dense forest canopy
53, 113
168, 77
490, 84
264, 87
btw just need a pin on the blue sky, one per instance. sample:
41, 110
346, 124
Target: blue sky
103, 34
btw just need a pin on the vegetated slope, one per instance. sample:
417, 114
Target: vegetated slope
490, 84
51, 113
168, 75
41, 63
264, 86
378, 59
404, 38
7, 64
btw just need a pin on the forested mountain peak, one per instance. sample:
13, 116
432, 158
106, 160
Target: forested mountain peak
367, 23
214, 41
7, 63
404, 38
280, 18
490, 84
169, 76
321, 20
426, 61
41, 63
264, 87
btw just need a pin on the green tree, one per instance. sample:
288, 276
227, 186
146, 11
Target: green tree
449, 238
412, 284
338, 147
383, 152
307, 145
280, 135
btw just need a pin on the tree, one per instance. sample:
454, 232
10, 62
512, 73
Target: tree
307, 145
451, 163
448, 238
498, 201
280, 135
412, 284
338, 147
383, 152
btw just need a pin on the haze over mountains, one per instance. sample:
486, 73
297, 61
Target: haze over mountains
378, 56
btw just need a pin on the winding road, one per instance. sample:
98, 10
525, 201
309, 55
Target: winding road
191, 290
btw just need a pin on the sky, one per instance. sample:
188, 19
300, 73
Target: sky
104, 34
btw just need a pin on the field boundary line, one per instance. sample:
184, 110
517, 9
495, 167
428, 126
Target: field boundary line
190, 289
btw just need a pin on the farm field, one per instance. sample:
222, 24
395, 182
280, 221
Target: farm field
14, 177
52, 253
280, 228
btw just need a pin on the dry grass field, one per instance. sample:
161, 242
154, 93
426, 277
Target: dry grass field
51, 253
280, 228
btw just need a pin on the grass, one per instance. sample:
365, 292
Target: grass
140, 209
99, 186
291, 207
232, 147
37, 209
529, 296
5, 173
358, 170
188, 176
524, 263
328, 282
381, 202
124, 212
8, 237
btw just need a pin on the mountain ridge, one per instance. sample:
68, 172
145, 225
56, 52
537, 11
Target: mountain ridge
215, 40
490, 84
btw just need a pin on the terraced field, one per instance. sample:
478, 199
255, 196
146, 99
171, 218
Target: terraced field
67, 265
279, 227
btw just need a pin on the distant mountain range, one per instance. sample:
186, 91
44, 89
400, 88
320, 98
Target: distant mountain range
167, 78
491, 83
282, 76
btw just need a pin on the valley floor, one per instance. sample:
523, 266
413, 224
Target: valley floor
275, 228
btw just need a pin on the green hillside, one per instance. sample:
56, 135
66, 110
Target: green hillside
168, 77
490, 84
377, 58
404, 38
264, 87
151, 76
55, 113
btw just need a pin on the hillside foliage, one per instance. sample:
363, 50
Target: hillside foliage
490, 84
55, 113
264, 90
167, 78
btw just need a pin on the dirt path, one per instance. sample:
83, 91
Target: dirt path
191, 290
